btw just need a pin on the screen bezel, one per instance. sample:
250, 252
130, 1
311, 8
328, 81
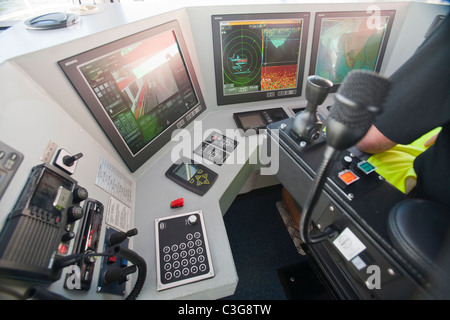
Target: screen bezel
70, 68
256, 96
347, 14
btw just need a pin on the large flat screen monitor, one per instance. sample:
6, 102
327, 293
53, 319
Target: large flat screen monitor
344, 41
139, 89
259, 56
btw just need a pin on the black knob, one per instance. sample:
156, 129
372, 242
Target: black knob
74, 213
346, 162
70, 160
68, 236
80, 194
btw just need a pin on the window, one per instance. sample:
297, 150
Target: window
13, 10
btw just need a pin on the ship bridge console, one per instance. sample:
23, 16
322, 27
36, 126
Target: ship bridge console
126, 134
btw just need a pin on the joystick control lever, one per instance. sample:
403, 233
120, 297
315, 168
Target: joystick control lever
306, 124
120, 236
118, 274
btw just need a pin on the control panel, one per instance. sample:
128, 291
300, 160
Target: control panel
182, 250
109, 264
354, 176
40, 225
216, 148
353, 210
87, 241
53, 227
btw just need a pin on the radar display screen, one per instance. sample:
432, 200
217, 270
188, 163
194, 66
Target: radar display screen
259, 57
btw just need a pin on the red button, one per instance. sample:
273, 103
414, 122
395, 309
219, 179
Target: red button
62, 249
112, 259
177, 203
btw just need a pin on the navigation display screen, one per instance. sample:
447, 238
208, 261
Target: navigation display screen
259, 57
139, 88
143, 87
344, 41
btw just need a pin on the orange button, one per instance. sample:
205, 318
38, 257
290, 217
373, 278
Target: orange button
348, 177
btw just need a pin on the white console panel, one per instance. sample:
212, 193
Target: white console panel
29, 120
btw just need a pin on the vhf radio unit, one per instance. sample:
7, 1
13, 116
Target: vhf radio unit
39, 224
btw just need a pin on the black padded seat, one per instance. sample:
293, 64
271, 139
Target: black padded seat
420, 231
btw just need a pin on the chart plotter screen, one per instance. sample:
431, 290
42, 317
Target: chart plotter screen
344, 41
140, 89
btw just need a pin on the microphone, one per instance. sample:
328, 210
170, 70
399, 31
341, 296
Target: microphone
358, 100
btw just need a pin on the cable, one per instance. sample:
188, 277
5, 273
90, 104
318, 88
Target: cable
329, 157
118, 274
74, 258
38, 293
140, 264
11, 292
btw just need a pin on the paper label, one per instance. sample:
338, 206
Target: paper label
348, 244
118, 215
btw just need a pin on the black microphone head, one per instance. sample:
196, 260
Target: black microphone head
358, 100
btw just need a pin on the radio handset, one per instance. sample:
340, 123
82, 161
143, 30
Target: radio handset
36, 227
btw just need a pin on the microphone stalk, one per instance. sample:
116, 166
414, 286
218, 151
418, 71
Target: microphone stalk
358, 101
329, 158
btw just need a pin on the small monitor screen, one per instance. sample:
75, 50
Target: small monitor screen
259, 56
139, 88
251, 121
186, 171
344, 41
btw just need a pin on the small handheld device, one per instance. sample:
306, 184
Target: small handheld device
192, 176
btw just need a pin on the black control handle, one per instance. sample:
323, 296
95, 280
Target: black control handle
70, 160
120, 236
